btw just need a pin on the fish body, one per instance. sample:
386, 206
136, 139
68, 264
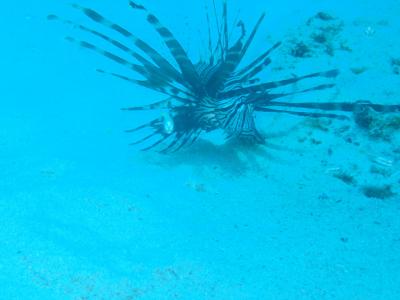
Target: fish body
216, 92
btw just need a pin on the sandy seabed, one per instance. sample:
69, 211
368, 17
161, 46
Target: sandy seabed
312, 215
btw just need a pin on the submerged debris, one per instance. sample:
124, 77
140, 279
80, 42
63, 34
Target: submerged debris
358, 70
324, 16
383, 161
369, 31
318, 124
343, 175
395, 63
378, 192
385, 172
196, 186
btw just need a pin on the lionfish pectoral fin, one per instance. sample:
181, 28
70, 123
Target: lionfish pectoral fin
382, 108
251, 37
143, 83
156, 105
154, 80
268, 98
176, 140
156, 143
181, 140
157, 58
327, 74
304, 114
149, 124
143, 139
148, 70
132, 66
340, 106
275, 84
188, 140
112, 41
188, 70
195, 136
256, 70
169, 90
259, 59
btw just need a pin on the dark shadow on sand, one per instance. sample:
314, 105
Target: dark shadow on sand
232, 158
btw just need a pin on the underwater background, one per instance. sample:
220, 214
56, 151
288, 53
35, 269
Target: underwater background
313, 215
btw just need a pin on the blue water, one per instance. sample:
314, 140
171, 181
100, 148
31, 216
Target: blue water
85, 216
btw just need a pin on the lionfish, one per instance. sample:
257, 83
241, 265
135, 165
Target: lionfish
214, 93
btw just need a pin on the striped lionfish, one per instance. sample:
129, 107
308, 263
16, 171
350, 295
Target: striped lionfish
214, 93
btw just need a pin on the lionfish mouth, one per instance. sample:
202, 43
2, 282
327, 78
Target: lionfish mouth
217, 92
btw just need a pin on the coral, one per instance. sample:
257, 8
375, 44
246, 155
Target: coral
321, 35
300, 49
377, 126
364, 117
